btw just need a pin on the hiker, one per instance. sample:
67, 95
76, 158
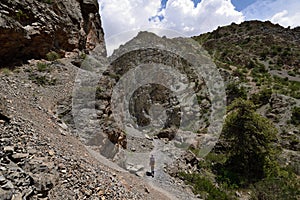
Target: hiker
152, 163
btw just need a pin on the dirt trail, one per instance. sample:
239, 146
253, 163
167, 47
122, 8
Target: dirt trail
161, 182
164, 153
132, 179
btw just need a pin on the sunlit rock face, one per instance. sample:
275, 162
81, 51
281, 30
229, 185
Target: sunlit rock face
30, 29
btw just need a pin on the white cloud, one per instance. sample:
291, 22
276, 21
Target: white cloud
123, 16
286, 18
179, 15
118, 16
283, 12
182, 16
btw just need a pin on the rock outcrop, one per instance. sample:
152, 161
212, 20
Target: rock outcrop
151, 105
30, 29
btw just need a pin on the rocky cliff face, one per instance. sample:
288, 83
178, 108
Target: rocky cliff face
30, 29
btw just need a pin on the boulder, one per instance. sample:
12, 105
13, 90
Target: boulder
168, 133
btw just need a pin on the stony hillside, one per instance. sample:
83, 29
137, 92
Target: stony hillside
40, 156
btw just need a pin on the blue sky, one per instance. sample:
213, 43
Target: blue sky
239, 4
242, 4
190, 17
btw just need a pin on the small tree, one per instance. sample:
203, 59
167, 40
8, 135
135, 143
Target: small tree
250, 148
234, 91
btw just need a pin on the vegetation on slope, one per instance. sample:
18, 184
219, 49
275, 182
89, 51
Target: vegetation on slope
259, 52
263, 59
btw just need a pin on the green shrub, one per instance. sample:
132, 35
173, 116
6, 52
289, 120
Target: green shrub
245, 71
295, 94
286, 52
6, 71
294, 85
21, 16
233, 91
279, 188
204, 187
52, 56
295, 118
262, 97
291, 73
83, 56
286, 87
42, 80
259, 70
41, 67
211, 159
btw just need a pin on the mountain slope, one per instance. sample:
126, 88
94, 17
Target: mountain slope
262, 61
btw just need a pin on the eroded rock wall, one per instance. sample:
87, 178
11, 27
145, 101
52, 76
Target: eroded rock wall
30, 29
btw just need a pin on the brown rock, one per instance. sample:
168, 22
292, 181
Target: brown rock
147, 190
19, 156
51, 153
8, 149
31, 29
17, 197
